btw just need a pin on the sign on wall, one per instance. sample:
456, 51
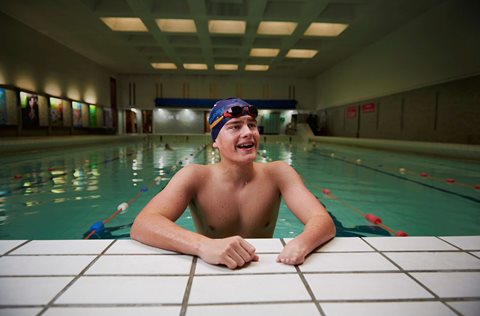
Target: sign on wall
368, 107
352, 111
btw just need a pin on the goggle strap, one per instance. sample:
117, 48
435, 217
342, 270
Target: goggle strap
218, 120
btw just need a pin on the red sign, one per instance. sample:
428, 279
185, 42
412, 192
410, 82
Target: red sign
352, 111
369, 107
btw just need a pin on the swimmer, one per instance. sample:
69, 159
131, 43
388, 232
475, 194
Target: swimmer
167, 147
233, 199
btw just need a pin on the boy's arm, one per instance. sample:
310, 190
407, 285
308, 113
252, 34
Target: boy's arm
155, 226
319, 227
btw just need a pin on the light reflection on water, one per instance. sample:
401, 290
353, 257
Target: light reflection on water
60, 195
51, 194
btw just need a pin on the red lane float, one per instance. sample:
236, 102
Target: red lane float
373, 219
401, 233
450, 180
423, 174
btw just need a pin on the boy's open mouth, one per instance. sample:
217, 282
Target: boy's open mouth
245, 145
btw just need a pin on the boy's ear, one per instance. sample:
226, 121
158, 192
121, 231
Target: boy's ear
214, 145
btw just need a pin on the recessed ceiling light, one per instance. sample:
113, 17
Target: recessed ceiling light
195, 66
227, 26
125, 24
325, 29
276, 28
177, 25
256, 67
301, 53
226, 67
164, 66
264, 52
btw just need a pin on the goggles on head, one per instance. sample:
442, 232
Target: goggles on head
237, 111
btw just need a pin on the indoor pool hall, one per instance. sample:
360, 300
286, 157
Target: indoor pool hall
239, 157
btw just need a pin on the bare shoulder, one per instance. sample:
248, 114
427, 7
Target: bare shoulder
278, 168
191, 174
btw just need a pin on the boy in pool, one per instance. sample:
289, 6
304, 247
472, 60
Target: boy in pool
234, 199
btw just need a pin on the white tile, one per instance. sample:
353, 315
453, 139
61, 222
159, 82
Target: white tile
434, 260
466, 308
247, 288
390, 309
266, 245
476, 253
114, 311
63, 247
368, 261
141, 264
125, 290
451, 284
22, 311
464, 242
367, 286
7, 245
43, 265
304, 309
30, 291
341, 244
267, 263
134, 247
408, 243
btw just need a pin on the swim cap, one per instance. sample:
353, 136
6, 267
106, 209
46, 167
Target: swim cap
219, 109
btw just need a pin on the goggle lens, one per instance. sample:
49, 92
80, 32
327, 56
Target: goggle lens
237, 111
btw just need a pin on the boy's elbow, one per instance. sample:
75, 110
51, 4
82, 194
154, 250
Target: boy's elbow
331, 230
135, 231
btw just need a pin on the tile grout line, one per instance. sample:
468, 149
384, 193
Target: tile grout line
188, 287
15, 248
49, 304
307, 286
437, 298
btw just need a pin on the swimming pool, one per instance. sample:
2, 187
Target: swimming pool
59, 194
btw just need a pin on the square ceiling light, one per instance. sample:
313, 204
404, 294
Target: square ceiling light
264, 52
325, 29
177, 25
256, 67
301, 53
164, 65
227, 26
276, 28
125, 24
195, 66
226, 67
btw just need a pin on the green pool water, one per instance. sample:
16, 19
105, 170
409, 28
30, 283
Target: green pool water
59, 194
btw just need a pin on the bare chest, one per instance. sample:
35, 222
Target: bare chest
250, 210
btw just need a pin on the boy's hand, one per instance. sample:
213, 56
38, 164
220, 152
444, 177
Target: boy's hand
234, 252
292, 254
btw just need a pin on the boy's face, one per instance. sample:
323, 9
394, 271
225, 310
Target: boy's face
238, 139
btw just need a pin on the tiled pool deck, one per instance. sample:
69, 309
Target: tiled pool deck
348, 276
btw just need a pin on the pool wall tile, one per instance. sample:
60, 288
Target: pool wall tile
7, 245
344, 244
125, 290
62, 247
247, 288
379, 276
43, 265
346, 262
365, 286
464, 242
387, 308
408, 244
141, 265
434, 260
134, 247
